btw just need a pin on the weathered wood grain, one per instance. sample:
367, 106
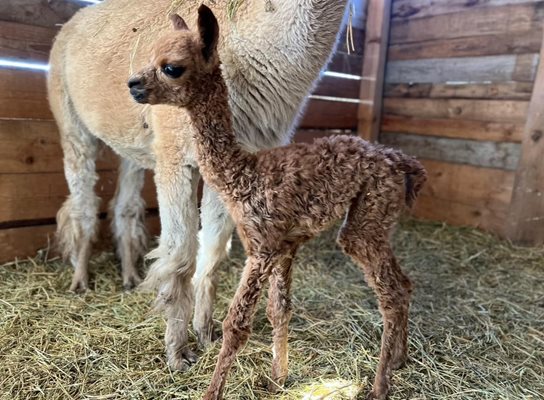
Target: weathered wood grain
452, 128
479, 21
463, 69
338, 87
321, 114
499, 155
491, 90
375, 51
35, 196
473, 46
526, 215
25, 42
351, 64
477, 110
34, 146
404, 9
23, 94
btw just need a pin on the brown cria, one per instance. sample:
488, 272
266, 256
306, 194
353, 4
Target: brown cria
282, 197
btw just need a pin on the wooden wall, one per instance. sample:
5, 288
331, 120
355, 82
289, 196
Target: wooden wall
32, 184
458, 81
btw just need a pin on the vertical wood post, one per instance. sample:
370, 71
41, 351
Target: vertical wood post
526, 216
376, 43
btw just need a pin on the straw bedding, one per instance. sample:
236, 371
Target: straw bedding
477, 328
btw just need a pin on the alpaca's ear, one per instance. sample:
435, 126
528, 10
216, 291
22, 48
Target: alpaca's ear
209, 31
178, 23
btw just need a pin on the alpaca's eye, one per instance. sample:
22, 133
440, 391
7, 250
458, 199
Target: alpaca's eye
173, 71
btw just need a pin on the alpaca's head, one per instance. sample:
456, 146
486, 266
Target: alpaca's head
182, 63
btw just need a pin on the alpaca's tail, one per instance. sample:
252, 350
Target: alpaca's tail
415, 177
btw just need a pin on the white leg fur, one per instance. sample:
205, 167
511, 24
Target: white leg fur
128, 223
77, 219
174, 265
214, 242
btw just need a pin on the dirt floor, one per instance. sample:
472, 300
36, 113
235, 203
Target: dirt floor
476, 328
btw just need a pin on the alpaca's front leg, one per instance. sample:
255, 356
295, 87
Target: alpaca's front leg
239, 320
214, 237
174, 265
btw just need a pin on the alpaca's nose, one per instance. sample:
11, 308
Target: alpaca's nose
134, 81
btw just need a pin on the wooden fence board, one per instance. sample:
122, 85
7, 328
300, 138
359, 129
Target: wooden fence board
461, 151
34, 146
25, 42
473, 46
463, 69
460, 129
338, 87
477, 110
403, 9
480, 21
482, 187
492, 91
23, 94
459, 214
351, 64
26, 197
323, 114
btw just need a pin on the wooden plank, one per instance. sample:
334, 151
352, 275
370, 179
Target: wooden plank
482, 187
463, 69
460, 151
480, 21
344, 63
477, 110
376, 44
492, 90
47, 13
26, 197
337, 87
404, 9
473, 46
459, 214
460, 129
23, 94
322, 114
22, 243
25, 42
526, 214
34, 146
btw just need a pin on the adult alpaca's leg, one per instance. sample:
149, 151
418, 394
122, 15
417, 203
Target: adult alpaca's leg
365, 237
173, 269
238, 323
77, 218
128, 223
279, 313
214, 238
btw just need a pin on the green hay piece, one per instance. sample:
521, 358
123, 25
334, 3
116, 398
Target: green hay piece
476, 327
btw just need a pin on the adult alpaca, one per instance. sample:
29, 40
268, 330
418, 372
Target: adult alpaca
280, 198
271, 59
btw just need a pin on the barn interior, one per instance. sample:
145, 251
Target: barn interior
457, 84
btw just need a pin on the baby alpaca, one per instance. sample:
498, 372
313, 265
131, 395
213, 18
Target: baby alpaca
281, 198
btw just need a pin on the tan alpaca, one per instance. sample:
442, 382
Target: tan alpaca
271, 59
282, 197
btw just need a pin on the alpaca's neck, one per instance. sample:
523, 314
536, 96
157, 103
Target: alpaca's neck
271, 63
221, 158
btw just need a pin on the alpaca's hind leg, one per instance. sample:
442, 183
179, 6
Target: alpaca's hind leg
77, 219
365, 237
239, 320
128, 223
214, 237
279, 314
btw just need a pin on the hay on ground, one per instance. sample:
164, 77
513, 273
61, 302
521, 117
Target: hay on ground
476, 324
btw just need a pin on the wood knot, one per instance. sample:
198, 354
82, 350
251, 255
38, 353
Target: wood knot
29, 160
536, 136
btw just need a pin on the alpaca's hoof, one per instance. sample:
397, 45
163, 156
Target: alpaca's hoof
131, 282
206, 336
274, 388
181, 360
79, 286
